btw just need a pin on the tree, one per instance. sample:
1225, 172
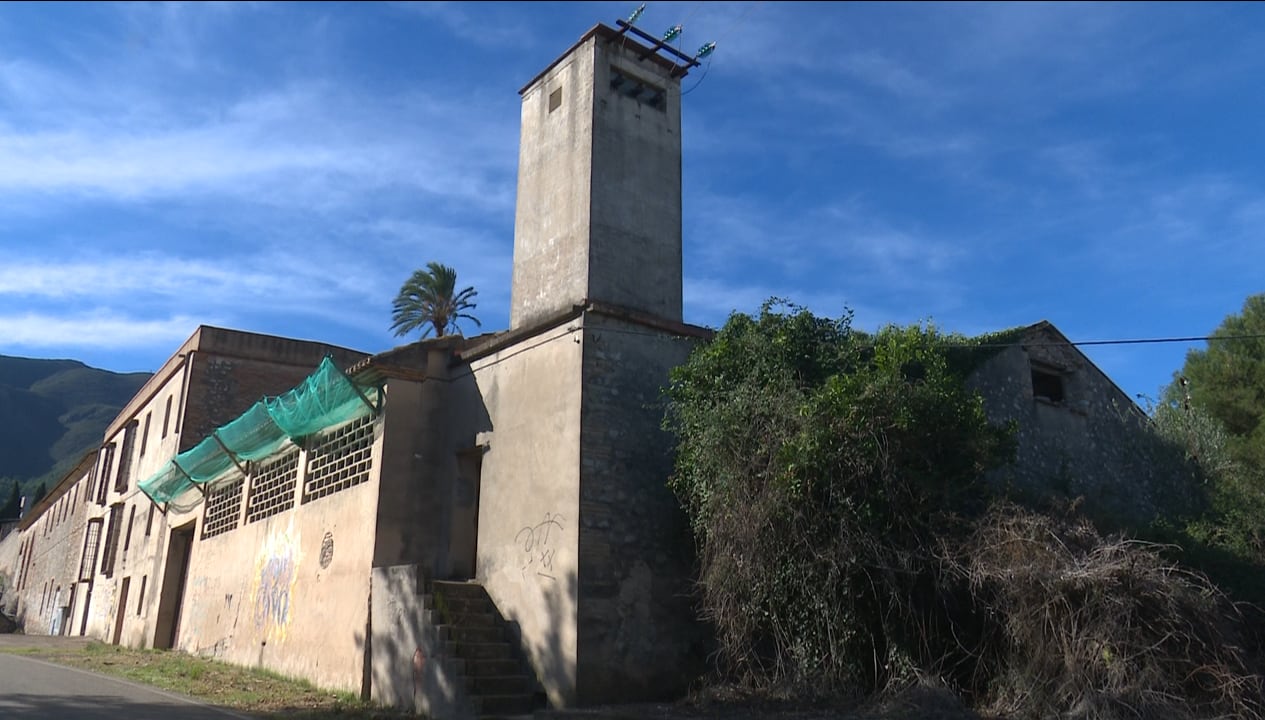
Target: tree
11, 509
1227, 381
40, 492
429, 300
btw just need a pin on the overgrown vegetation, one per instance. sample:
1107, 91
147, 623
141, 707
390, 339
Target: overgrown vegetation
820, 468
848, 542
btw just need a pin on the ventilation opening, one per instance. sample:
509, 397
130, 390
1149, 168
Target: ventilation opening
555, 99
643, 92
1047, 385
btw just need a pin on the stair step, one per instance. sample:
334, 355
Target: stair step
506, 704
458, 605
458, 589
473, 620
481, 668
500, 685
478, 650
459, 633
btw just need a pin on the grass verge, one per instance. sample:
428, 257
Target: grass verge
251, 691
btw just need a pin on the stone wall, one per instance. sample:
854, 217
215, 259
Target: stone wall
1080, 438
637, 636
45, 593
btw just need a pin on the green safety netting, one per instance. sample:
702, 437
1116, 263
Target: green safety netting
326, 398
254, 435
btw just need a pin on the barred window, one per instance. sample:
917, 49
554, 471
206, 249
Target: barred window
340, 459
272, 487
223, 506
112, 539
91, 541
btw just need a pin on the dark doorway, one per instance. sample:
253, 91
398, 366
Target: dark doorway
171, 597
463, 541
67, 612
121, 613
87, 607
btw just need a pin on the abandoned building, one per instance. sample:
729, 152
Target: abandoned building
461, 525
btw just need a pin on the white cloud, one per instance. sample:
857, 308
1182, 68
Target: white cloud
103, 329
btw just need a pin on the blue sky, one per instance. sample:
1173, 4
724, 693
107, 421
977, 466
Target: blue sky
283, 168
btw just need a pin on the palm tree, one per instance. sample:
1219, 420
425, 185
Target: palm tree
429, 300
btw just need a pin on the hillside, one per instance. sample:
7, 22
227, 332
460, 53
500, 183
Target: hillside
53, 411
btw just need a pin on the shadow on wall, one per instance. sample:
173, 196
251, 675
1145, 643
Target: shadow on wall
553, 663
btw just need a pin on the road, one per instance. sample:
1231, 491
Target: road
35, 689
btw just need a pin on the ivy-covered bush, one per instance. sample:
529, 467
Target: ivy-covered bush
821, 468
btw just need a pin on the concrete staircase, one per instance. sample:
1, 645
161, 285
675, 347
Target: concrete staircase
477, 647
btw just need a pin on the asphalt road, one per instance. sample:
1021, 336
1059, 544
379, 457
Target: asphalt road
38, 690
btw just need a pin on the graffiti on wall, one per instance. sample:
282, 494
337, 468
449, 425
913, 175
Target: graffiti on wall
274, 586
535, 543
272, 598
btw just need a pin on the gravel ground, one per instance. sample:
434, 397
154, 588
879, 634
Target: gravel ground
918, 703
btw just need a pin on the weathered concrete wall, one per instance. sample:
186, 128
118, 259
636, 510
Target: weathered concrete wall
216, 375
637, 637
529, 494
1092, 444
599, 187
139, 552
635, 234
555, 169
289, 592
419, 472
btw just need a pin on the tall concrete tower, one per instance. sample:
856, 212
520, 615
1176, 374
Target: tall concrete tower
599, 182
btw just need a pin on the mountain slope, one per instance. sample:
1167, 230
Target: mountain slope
53, 411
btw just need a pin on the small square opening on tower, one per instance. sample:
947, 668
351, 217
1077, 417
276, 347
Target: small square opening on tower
643, 91
555, 99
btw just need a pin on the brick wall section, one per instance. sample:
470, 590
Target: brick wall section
637, 638
1092, 445
222, 387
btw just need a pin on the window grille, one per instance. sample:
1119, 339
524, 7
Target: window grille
340, 459
92, 540
272, 487
112, 539
223, 506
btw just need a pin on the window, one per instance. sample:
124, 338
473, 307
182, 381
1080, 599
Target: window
92, 479
149, 522
91, 542
112, 539
166, 416
127, 539
555, 99
1047, 385
145, 433
140, 601
103, 478
125, 456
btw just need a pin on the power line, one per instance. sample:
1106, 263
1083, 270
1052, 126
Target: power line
1138, 341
